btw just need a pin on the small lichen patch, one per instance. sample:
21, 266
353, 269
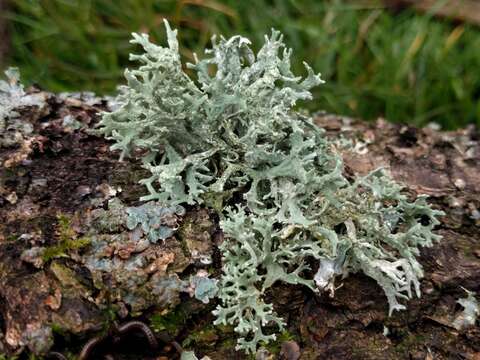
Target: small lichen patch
135, 258
16, 132
471, 310
202, 287
156, 222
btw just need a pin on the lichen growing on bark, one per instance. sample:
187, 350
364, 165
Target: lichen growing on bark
12, 99
127, 262
232, 133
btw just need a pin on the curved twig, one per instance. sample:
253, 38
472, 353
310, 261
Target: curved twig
88, 347
143, 328
177, 347
56, 355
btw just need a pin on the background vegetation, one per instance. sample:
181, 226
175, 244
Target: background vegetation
402, 65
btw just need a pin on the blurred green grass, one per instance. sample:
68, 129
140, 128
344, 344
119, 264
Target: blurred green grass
405, 66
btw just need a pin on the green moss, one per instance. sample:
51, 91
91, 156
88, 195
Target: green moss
275, 346
171, 322
8, 174
68, 279
229, 343
409, 343
6, 357
225, 329
216, 200
67, 240
58, 329
11, 237
205, 337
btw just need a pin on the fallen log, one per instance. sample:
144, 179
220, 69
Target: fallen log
61, 283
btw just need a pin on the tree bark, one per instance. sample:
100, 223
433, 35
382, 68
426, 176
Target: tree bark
61, 170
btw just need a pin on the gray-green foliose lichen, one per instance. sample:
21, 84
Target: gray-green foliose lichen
130, 266
232, 130
155, 221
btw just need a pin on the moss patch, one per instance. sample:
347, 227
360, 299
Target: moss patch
67, 240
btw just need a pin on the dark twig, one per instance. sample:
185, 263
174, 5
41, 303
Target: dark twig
114, 335
88, 347
55, 355
177, 347
143, 328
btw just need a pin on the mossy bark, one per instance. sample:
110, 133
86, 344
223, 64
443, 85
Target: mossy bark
60, 170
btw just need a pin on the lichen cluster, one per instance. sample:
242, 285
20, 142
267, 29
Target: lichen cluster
230, 139
12, 99
11, 94
134, 257
17, 120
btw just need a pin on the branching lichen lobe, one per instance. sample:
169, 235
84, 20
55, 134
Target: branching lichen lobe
233, 130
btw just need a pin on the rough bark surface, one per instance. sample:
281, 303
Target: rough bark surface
52, 304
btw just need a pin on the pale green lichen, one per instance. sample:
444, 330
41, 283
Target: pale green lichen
126, 260
157, 222
203, 287
129, 264
232, 133
12, 99
11, 91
